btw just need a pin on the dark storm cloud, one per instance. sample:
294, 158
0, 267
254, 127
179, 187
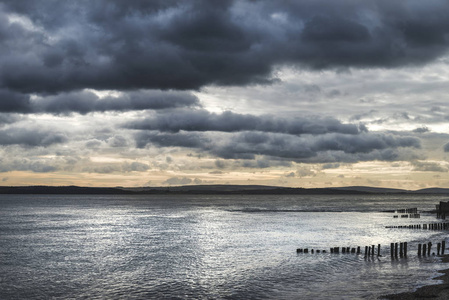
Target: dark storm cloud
86, 102
202, 120
72, 45
30, 137
332, 147
188, 140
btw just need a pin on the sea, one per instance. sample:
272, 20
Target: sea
211, 246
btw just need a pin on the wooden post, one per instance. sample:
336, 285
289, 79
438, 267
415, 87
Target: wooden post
392, 249
332, 250
424, 249
395, 249
429, 245
419, 249
306, 250
353, 250
405, 249
366, 251
336, 249
372, 250
358, 249
401, 249
438, 248
343, 250
298, 250
312, 251
348, 249
443, 246
378, 249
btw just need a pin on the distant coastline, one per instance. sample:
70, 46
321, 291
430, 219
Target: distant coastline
213, 190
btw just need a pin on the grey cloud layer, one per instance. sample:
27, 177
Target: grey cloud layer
237, 136
331, 147
202, 120
189, 44
31, 137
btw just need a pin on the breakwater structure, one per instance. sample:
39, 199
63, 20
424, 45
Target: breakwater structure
398, 249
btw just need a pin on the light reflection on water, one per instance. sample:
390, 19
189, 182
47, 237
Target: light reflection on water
239, 247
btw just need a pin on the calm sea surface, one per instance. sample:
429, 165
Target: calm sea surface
208, 247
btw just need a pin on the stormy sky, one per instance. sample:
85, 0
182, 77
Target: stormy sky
163, 93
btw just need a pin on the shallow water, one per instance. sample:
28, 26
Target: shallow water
228, 247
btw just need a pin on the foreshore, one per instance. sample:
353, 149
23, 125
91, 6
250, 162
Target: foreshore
437, 291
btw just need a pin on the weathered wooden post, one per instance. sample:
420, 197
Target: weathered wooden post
353, 250
429, 245
378, 249
395, 249
419, 249
405, 249
372, 250
392, 249
298, 250
348, 249
424, 248
401, 248
438, 248
306, 250
336, 249
312, 251
358, 249
443, 246
366, 251
332, 250
343, 250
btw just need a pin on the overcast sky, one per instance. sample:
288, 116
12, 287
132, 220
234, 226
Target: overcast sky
162, 93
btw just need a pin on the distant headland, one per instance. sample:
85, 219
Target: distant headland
213, 189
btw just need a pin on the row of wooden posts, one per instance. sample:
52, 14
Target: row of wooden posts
396, 249
411, 216
432, 226
413, 210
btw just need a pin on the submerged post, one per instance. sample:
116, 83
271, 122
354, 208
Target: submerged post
392, 249
401, 248
429, 245
372, 250
443, 245
424, 249
358, 249
405, 249
395, 249
378, 249
419, 249
438, 248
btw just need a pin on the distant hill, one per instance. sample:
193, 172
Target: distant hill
213, 189
65, 190
373, 189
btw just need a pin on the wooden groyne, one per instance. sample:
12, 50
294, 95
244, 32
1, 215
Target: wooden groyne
398, 249
430, 226
407, 213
